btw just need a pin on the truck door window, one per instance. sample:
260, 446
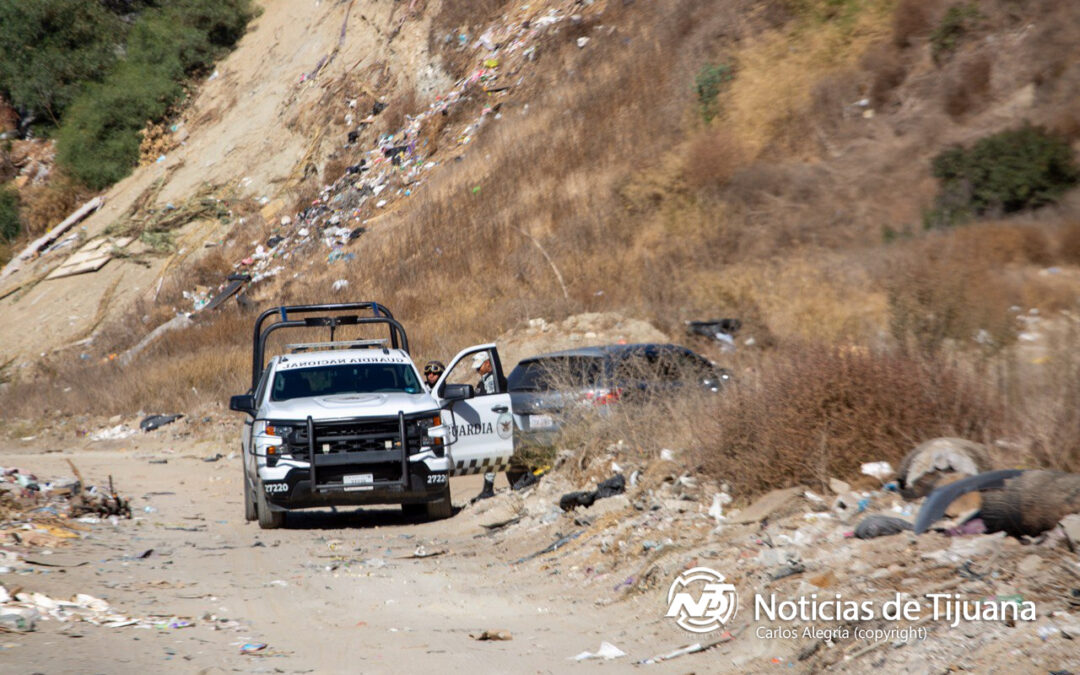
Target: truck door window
465, 372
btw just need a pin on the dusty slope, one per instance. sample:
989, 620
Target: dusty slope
255, 125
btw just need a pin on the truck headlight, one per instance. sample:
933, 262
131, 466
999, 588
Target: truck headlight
431, 431
269, 440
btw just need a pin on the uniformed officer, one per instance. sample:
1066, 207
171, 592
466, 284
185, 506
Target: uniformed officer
482, 365
432, 371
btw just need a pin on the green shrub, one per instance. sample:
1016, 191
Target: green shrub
1010, 171
49, 48
99, 142
99, 139
9, 214
186, 37
709, 83
957, 22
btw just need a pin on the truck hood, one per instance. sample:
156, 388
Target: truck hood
348, 405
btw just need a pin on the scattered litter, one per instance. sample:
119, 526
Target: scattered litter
421, 552
612, 486
872, 527
607, 651
492, 635
116, 433
22, 612
880, 470
152, 422
792, 568
252, 647
688, 649
559, 543
766, 506
721, 330
491, 527
716, 511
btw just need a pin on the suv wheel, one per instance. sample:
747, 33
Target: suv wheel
250, 511
441, 507
268, 520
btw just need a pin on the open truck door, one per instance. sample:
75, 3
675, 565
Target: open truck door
482, 426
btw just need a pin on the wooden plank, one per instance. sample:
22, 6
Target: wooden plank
90, 258
84, 266
51, 236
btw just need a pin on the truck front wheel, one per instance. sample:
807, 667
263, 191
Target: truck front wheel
250, 511
441, 507
268, 520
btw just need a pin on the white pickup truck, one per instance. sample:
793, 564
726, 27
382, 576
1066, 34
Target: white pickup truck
350, 422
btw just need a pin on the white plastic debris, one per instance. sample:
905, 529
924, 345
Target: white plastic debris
719, 501
120, 431
340, 284
607, 652
880, 470
667, 455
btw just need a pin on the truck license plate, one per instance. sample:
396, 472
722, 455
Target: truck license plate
541, 421
359, 479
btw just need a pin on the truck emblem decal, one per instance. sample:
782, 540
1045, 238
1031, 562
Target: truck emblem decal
505, 425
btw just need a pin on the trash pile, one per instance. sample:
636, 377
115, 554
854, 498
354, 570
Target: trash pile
399, 163
858, 540
22, 612
39, 513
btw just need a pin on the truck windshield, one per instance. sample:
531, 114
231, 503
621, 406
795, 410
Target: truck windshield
359, 378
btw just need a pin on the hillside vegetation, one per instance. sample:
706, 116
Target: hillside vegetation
91, 75
884, 193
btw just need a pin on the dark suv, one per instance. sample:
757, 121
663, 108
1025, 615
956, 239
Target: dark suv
543, 387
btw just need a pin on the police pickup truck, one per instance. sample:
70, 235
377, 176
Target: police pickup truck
350, 422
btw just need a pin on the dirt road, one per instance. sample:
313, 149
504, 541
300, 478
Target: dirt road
330, 593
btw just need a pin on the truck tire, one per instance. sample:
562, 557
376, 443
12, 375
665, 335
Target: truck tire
250, 511
268, 520
441, 507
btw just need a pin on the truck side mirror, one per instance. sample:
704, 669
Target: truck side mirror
457, 392
244, 403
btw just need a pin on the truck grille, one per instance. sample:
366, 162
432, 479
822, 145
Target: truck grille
354, 436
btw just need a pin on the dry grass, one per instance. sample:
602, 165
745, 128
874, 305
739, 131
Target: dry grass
887, 70
823, 298
1069, 243
712, 158
968, 85
777, 73
45, 205
912, 19
1044, 388
814, 412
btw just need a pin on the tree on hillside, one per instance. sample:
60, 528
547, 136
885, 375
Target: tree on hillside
50, 48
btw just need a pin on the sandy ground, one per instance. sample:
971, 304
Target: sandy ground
330, 593
346, 591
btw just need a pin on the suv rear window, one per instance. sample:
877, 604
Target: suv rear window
542, 374
360, 378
